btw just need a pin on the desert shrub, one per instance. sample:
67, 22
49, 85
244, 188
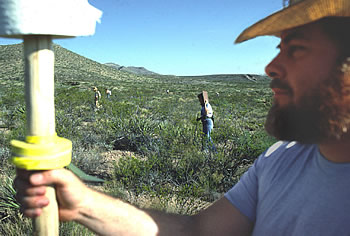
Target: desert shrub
159, 129
9, 208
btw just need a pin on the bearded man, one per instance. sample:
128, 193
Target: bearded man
299, 186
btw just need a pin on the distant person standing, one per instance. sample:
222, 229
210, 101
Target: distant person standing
108, 93
207, 119
97, 97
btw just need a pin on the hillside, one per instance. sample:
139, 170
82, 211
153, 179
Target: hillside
70, 68
75, 71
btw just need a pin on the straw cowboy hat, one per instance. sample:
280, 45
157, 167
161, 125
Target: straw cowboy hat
297, 13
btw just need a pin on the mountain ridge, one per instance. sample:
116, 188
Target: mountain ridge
131, 69
72, 68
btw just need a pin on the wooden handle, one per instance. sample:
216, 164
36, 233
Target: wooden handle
39, 83
40, 109
47, 223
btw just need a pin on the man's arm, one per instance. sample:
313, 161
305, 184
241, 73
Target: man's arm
110, 216
219, 219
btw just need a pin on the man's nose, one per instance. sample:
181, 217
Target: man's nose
275, 68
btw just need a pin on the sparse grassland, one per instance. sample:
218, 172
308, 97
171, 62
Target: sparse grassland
144, 142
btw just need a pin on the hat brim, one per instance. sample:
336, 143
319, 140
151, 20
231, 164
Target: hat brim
299, 14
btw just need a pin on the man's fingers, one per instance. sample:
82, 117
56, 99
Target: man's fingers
31, 191
34, 202
23, 187
32, 212
58, 177
46, 177
33, 177
31, 188
32, 206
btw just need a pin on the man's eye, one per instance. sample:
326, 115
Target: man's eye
295, 49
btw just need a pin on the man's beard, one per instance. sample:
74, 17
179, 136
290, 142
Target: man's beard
294, 123
321, 115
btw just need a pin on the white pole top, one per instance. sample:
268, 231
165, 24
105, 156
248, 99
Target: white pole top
59, 18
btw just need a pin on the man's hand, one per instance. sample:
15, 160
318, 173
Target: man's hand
31, 188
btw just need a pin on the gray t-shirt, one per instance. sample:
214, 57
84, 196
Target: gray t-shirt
291, 189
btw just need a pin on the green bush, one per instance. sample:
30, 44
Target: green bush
159, 130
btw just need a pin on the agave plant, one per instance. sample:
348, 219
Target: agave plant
8, 203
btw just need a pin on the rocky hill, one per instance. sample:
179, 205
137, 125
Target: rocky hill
131, 69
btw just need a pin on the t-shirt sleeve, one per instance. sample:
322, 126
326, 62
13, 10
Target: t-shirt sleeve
243, 195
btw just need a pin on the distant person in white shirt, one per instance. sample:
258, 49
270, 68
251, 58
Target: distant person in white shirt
207, 119
108, 93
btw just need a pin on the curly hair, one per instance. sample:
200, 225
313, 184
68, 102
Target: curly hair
336, 92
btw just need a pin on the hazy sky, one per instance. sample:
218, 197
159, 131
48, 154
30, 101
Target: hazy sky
179, 37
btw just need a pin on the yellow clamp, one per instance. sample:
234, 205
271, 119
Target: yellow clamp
41, 152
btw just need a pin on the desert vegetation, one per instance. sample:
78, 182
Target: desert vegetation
144, 141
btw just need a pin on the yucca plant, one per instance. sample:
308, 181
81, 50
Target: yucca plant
8, 204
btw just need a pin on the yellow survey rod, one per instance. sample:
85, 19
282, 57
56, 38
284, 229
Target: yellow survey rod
41, 149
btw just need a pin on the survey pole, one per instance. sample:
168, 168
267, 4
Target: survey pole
37, 22
40, 110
